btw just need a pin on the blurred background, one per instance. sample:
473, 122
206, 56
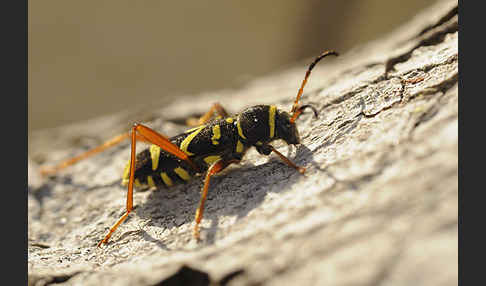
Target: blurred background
90, 58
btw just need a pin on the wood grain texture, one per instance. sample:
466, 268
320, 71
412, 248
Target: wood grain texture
377, 205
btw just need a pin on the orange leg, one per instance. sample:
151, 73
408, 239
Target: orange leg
216, 108
287, 161
215, 168
49, 170
149, 135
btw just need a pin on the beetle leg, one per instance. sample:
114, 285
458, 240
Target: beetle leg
215, 108
287, 161
50, 170
146, 134
215, 168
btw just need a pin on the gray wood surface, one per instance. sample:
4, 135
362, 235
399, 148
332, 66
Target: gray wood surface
378, 204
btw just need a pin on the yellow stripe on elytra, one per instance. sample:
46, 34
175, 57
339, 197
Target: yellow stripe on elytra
193, 129
211, 159
126, 172
240, 132
188, 139
182, 173
239, 147
167, 180
150, 181
126, 177
271, 119
216, 134
155, 154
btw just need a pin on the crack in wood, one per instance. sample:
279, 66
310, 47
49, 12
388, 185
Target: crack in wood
428, 37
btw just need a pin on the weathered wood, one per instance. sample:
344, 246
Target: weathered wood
378, 204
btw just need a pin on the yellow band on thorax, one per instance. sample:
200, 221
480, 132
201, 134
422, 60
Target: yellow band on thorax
240, 131
271, 119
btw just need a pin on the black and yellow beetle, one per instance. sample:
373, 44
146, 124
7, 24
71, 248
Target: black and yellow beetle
208, 148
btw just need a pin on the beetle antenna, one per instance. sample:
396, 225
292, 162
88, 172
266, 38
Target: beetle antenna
295, 107
301, 109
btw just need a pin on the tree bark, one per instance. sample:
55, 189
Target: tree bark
377, 205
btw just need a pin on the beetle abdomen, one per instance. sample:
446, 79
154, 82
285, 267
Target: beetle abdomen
155, 167
204, 144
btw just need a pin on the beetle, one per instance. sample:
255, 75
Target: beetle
208, 148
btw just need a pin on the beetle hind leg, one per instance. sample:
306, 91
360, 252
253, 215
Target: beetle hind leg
216, 108
146, 134
51, 170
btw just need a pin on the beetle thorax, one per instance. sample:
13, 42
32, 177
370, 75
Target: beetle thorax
261, 124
